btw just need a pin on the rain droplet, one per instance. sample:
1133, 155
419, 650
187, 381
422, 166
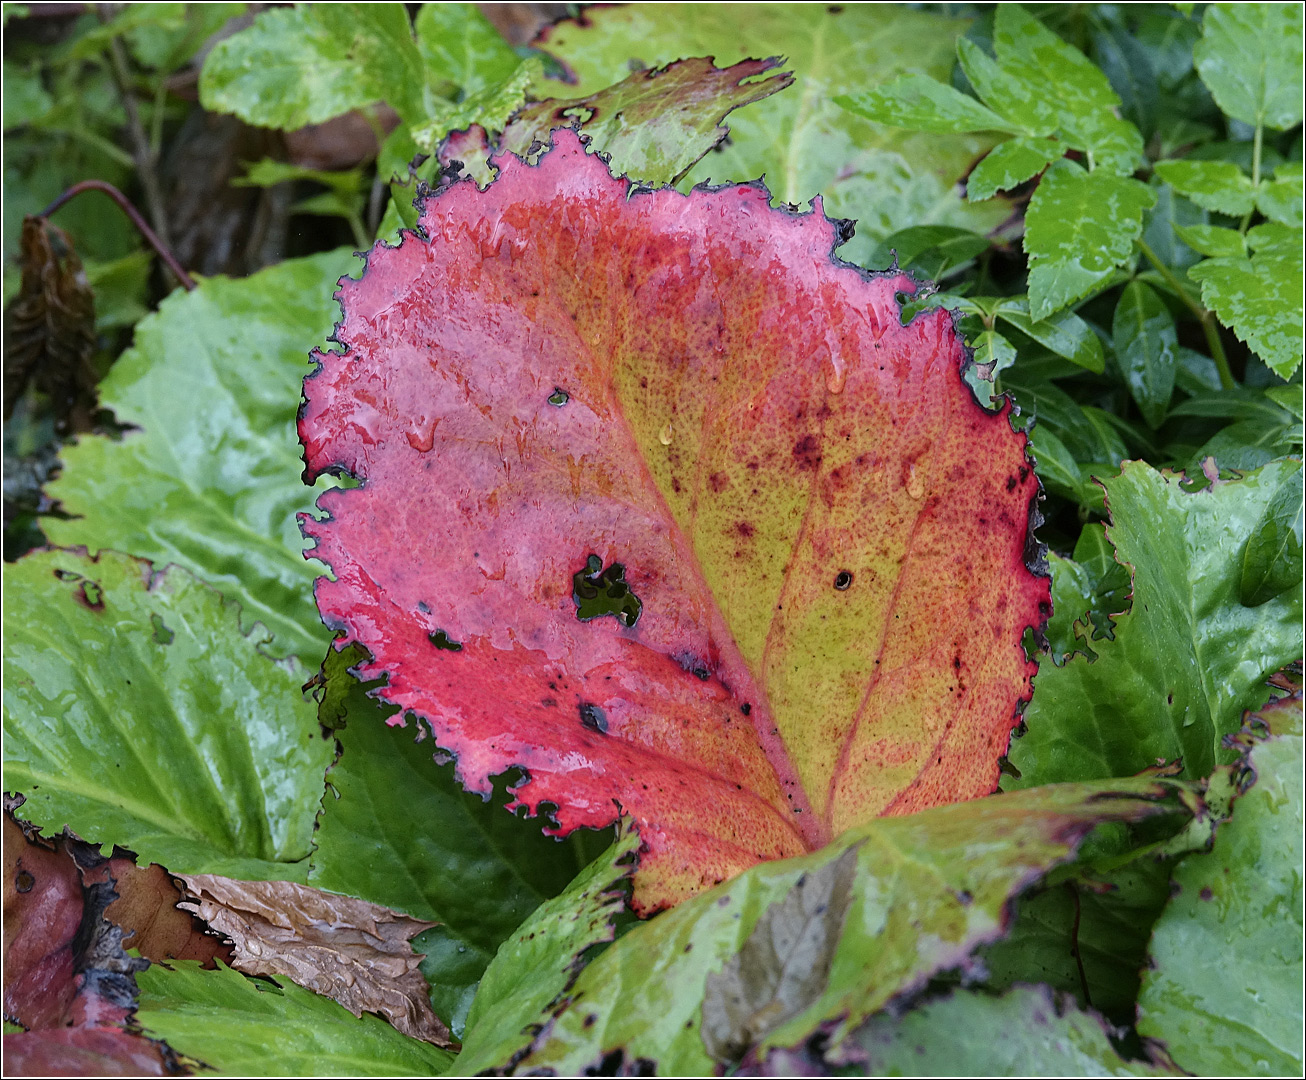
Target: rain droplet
664, 436
915, 486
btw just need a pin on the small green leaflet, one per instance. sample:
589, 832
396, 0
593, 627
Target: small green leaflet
1215, 185
1147, 349
1250, 57
1012, 163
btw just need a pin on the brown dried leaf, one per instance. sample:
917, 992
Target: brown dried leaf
349, 950
50, 328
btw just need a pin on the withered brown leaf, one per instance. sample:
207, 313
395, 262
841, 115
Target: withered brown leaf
354, 952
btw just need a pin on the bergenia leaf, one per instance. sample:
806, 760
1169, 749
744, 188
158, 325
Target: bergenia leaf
669, 527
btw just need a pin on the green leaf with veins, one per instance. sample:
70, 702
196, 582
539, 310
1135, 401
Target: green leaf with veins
1223, 987
1258, 298
1272, 563
1216, 185
211, 480
461, 50
1213, 240
474, 869
138, 713
1250, 58
926, 890
270, 1027
1040, 1035
919, 103
491, 106
801, 140
991, 348
1147, 349
928, 250
1065, 333
1011, 164
306, 64
1079, 227
1162, 226
1187, 658
1280, 199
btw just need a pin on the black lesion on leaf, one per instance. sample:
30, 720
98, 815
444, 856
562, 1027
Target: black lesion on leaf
441, 640
592, 717
600, 592
842, 580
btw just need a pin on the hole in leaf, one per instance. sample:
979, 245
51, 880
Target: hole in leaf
842, 580
604, 592
559, 397
441, 640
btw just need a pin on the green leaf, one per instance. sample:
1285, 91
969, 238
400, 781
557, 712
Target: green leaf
1072, 600
165, 44
211, 481
1223, 989
1288, 397
1272, 563
1066, 334
138, 713
25, 98
1247, 445
991, 348
1009, 90
1012, 163
1025, 1032
1259, 298
801, 141
1250, 58
1080, 226
461, 50
308, 63
1187, 658
1147, 349
474, 869
932, 251
1056, 466
1213, 240
1162, 225
271, 1027
923, 104
490, 107
1215, 185
538, 965
1280, 199
926, 889
1089, 589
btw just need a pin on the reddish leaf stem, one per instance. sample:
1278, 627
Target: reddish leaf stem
125, 205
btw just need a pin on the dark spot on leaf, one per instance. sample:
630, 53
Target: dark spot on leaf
842, 580
599, 592
718, 482
589, 1020
91, 595
745, 529
549, 703
559, 397
23, 881
67, 575
745, 708
1206, 894
807, 453
591, 716
1011, 483
441, 640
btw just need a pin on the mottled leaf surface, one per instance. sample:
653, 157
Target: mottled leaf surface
211, 480
762, 471
1250, 57
1187, 658
136, 709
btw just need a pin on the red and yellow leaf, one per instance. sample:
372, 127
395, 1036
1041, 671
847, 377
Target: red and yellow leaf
569, 397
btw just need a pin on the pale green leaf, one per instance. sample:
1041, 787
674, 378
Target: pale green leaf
1215, 185
991, 348
461, 50
1250, 58
1012, 163
923, 104
1280, 199
1213, 240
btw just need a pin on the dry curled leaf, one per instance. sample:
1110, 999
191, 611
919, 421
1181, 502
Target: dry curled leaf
50, 328
346, 949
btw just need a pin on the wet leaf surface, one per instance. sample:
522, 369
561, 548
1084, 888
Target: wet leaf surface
353, 952
804, 496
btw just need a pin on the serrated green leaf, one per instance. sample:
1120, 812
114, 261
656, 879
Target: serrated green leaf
1272, 562
1012, 163
1223, 988
923, 104
1250, 58
1009, 91
1280, 199
138, 713
927, 889
211, 481
1080, 226
1215, 185
991, 348
1213, 240
538, 964
238, 1026
474, 869
1187, 658
1041, 1035
1056, 466
461, 50
801, 141
1247, 445
929, 250
1147, 349
1259, 298
306, 64
1066, 334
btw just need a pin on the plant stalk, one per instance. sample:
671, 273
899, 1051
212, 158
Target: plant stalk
1202, 315
145, 158
1256, 174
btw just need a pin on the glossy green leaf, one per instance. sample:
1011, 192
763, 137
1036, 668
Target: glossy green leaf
138, 713
1223, 989
1007, 88
1280, 199
920, 103
1272, 562
475, 870
1215, 185
1057, 468
929, 250
801, 141
1247, 445
1239, 403
1080, 226
993, 350
1012, 163
305, 64
166, 43
211, 481
461, 50
1147, 349
1089, 589
239, 1026
1289, 398
1065, 333
1025, 1032
1213, 240
539, 964
1163, 225
1259, 298
927, 889
1250, 58
1187, 658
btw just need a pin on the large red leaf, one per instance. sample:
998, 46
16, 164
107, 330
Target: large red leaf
825, 532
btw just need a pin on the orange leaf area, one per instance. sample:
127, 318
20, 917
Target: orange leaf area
661, 504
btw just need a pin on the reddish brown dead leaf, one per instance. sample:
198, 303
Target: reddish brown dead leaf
349, 950
85, 1051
